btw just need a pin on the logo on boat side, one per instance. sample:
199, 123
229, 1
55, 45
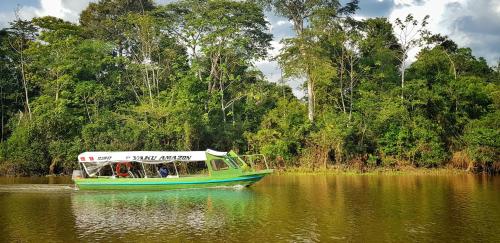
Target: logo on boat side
158, 158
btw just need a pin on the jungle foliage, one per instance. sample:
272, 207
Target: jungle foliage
134, 75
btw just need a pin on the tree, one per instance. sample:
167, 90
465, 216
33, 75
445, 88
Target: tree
51, 65
225, 35
301, 13
22, 32
379, 50
282, 131
11, 90
104, 20
410, 33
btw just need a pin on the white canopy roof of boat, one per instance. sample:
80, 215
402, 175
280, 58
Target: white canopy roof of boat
152, 157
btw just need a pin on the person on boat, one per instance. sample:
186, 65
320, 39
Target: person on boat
163, 171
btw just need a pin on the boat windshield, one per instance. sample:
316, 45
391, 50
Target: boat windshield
232, 162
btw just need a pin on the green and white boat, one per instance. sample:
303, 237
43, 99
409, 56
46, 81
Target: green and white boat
163, 170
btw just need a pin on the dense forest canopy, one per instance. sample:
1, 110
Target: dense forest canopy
135, 75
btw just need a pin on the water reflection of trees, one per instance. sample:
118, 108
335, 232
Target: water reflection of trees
371, 208
35, 215
366, 208
144, 214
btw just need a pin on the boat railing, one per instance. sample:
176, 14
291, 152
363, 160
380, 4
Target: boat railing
256, 161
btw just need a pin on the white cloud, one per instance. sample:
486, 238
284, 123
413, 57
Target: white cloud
470, 23
283, 22
53, 8
25, 12
403, 2
273, 73
65, 9
5, 17
268, 67
419, 9
476, 24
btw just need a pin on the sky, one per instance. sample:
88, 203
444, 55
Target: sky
470, 23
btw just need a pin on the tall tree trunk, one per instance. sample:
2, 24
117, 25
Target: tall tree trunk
57, 86
351, 75
402, 80
232, 111
299, 29
57, 91
452, 64
310, 99
310, 89
148, 83
155, 81
25, 85
403, 69
342, 80
87, 108
222, 101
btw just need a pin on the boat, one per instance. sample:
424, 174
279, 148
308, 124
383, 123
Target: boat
166, 170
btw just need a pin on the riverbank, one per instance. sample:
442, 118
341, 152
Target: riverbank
408, 170
333, 170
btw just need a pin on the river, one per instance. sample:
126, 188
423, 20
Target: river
280, 208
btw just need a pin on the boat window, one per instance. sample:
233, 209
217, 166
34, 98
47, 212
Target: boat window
237, 160
219, 164
232, 162
193, 168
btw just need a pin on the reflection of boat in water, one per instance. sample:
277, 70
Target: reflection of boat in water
153, 170
132, 213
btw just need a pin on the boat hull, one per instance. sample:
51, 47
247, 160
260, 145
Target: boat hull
144, 184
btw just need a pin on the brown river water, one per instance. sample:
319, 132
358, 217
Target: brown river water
280, 208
